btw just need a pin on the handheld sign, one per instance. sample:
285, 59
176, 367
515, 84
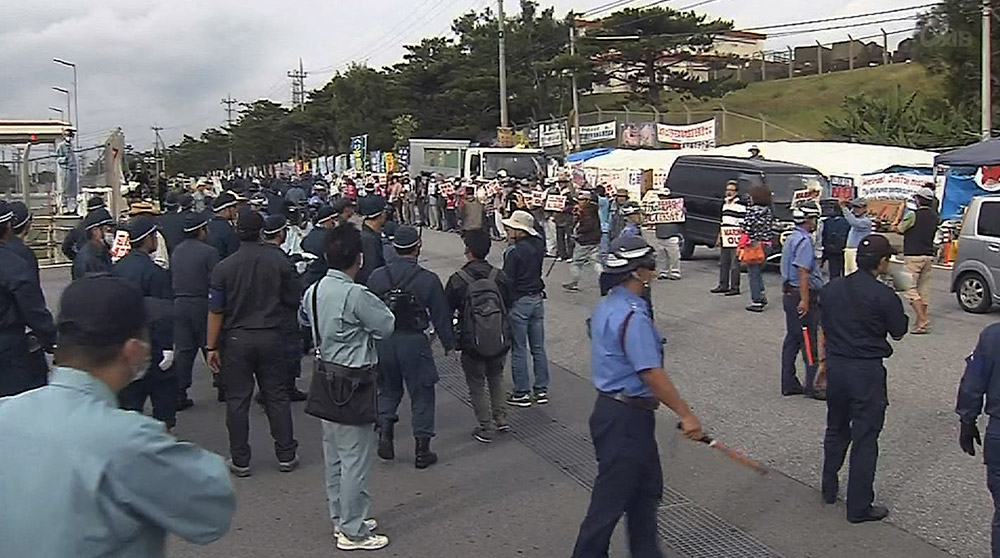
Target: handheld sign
842, 187
801, 197
537, 198
731, 236
121, 246
555, 203
664, 211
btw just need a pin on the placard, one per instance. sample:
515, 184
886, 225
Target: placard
555, 203
802, 197
664, 211
121, 246
731, 236
842, 187
493, 188
891, 186
448, 190
536, 198
694, 136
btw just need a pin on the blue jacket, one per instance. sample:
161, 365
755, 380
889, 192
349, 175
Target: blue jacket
315, 243
223, 237
982, 381
138, 269
426, 286
91, 259
22, 303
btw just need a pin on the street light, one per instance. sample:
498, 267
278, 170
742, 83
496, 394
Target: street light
76, 99
60, 111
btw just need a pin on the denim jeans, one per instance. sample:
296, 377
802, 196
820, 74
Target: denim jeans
527, 320
756, 273
348, 450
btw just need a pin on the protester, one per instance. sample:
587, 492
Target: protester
588, 239
159, 381
758, 226
94, 256
801, 282
473, 212
835, 231
83, 478
564, 228
918, 228
856, 213
417, 299
433, 203
616, 218
859, 312
249, 296
733, 214
669, 237
479, 296
522, 264
347, 320
191, 267
628, 372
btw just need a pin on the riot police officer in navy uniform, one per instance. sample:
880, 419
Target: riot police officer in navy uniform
627, 369
158, 382
20, 222
373, 215
94, 256
980, 382
405, 357
314, 244
171, 223
75, 238
22, 305
859, 312
191, 265
221, 233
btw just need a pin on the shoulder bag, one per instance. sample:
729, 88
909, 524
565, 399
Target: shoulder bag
338, 393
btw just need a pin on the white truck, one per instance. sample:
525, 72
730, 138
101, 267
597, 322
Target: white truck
457, 158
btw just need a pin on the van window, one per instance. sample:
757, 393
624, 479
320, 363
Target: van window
784, 185
989, 219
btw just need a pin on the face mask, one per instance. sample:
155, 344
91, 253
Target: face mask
109, 238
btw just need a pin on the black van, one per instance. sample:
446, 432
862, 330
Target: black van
701, 181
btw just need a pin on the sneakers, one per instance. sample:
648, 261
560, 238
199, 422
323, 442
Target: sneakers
719, 290
503, 427
288, 466
571, 287
370, 523
482, 434
519, 399
732, 292
241, 472
371, 542
541, 396
755, 307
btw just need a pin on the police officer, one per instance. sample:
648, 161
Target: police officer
314, 244
859, 312
802, 280
191, 267
345, 208
250, 294
221, 234
171, 223
20, 224
627, 367
275, 228
94, 256
980, 382
417, 299
22, 305
75, 238
373, 215
158, 382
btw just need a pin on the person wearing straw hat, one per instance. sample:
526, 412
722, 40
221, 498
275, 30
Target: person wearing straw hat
191, 267
94, 256
221, 233
161, 256
416, 297
628, 372
159, 381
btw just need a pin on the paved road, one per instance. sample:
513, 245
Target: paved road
525, 494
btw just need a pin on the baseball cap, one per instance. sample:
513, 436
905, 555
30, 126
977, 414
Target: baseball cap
343, 203
185, 200
858, 202
875, 245
95, 202
20, 216
103, 311
804, 212
628, 253
6, 214
926, 193
249, 222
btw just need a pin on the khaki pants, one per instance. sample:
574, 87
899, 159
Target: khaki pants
850, 261
919, 268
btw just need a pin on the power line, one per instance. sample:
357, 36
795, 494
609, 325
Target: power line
606, 7
298, 78
839, 18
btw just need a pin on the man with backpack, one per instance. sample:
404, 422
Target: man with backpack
417, 300
836, 229
480, 294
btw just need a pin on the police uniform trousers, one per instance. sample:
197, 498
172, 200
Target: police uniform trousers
20, 368
160, 387
629, 481
293, 351
991, 455
794, 342
249, 355
190, 325
856, 399
406, 358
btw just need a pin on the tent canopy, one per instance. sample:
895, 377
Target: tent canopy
982, 154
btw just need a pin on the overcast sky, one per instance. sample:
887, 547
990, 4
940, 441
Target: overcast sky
169, 63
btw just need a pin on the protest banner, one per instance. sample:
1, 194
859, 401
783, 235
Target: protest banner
693, 136
598, 132
891, 186
555, 203
660, 211
802, 197
842, 187
731, 236
359, 153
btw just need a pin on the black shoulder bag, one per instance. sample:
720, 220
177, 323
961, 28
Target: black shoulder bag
338, 393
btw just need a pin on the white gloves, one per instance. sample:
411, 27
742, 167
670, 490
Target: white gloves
168, 360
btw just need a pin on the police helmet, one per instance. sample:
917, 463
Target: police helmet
805, 212
629, 253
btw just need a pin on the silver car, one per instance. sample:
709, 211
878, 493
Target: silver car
975, 280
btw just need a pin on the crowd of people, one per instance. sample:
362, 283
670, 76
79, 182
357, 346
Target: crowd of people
258, 275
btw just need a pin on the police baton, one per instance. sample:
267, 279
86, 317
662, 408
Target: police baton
736, 456
553, 264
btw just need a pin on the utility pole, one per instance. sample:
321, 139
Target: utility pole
298, 78
504, 119
791, 63
229, 102
987, 73
763, 67
850, 52
885, 47
576, 97
819, 57
156, 149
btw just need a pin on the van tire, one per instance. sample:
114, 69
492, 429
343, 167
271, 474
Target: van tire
687, 249
973, 293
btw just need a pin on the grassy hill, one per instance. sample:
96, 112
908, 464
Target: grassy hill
794, 107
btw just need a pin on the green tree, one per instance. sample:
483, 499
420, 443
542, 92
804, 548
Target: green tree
403, 127
262, 135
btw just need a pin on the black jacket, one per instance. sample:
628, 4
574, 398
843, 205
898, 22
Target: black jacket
522, 263
92, 259
315, 243
18, 246
222, 237
138, 269
191, 266
374, 256
254, 289
858, 313
588, 229
172, 227
22, 303
455, 290
426, 286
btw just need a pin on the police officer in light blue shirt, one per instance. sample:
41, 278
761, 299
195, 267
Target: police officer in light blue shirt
81, 477
801, 281
627, 368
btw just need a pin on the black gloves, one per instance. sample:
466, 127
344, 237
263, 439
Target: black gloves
969, 437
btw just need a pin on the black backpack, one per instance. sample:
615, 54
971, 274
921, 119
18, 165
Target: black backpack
410, 314
485, 326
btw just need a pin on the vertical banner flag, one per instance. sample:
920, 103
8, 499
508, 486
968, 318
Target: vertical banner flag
359, 150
